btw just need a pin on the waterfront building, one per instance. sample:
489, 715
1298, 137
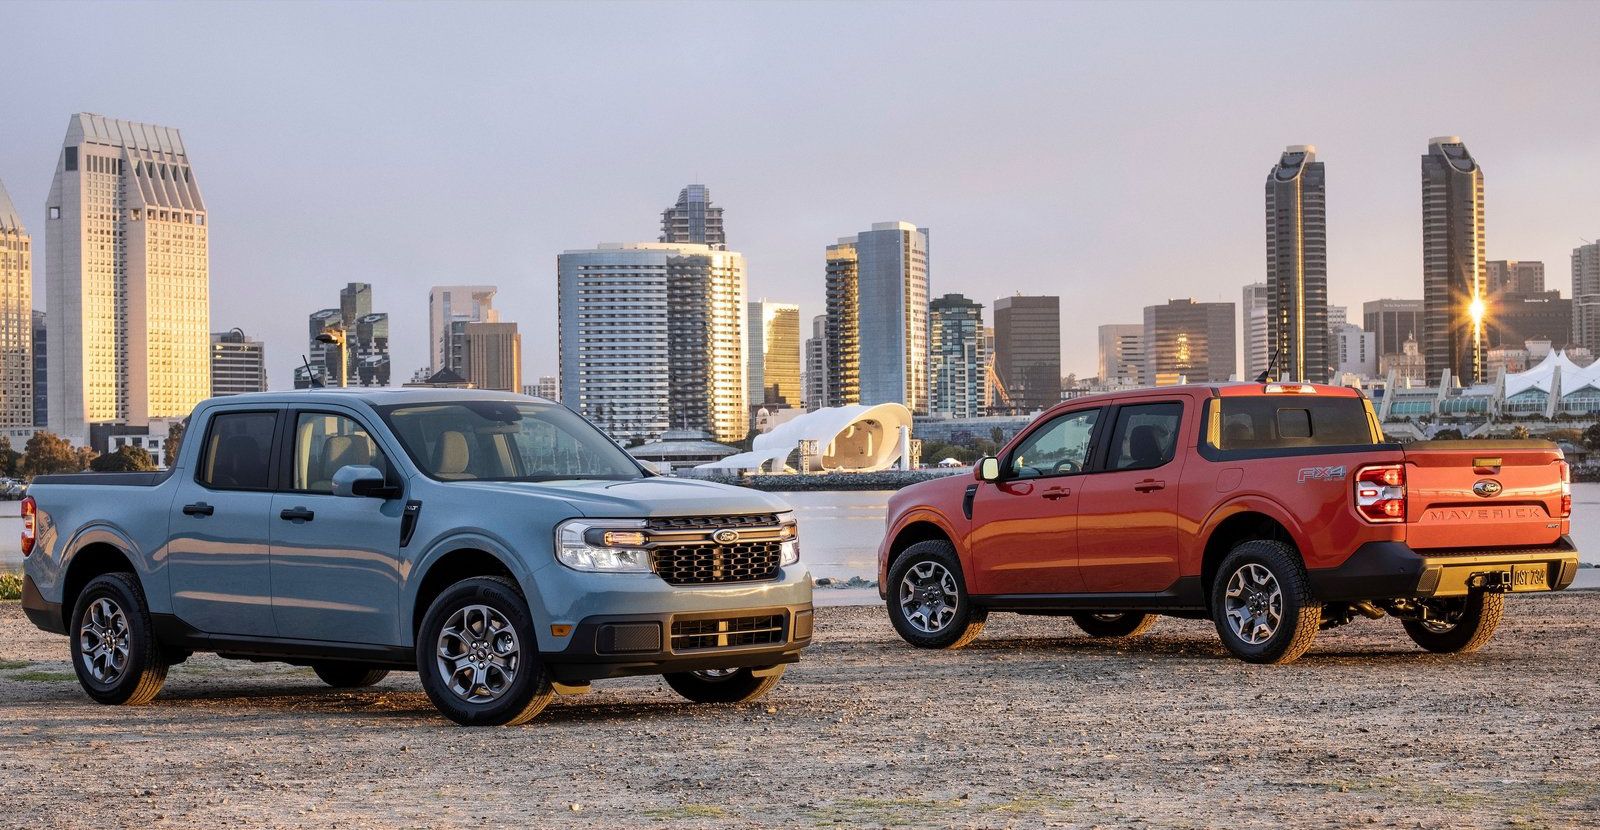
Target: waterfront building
842, 342
1405, 367
238, 363
1557, 388
127, 278
892, 315
694, 220
16, 318
773, 353
1297, 265
816, 373
1257, 337
652, 338
450, 309
1189, 342
958, 361
1453, 263
1121, 353
494, 356
1027, 350
1517, 276
681, 449
1586, 296
1392, 322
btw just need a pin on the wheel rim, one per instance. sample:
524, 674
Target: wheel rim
1108, 617
478, 653
103, 641
928, 597
716, 675
1253, 603
1452, 612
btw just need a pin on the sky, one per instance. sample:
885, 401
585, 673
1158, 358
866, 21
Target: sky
1111, 154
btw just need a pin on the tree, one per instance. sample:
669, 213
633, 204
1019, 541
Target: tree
48, 453
10, 459
1591, 437
1519, 432
127, 459
1451, 434
169, 453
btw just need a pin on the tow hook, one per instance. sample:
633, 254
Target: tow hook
1495, 581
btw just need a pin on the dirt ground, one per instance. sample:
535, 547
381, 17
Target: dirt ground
1031, 726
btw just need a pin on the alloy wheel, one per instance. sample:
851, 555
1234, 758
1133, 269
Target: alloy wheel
103, 641
1253, 602
928, 597
478, 653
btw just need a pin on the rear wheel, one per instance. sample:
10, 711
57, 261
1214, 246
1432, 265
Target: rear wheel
1114, 625
723, 685
478, 657
1262, 604
1462, 626
928, 602
349, 675
114, 650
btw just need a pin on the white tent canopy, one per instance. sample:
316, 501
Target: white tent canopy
856, 438
1542, 376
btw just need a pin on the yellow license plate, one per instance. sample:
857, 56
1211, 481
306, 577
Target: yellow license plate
1530, 577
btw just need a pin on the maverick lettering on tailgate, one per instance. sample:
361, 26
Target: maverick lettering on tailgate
1481, 514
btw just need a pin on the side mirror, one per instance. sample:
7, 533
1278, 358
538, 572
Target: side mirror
364, 481
987, 469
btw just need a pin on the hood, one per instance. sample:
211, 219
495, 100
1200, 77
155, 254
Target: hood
644, 497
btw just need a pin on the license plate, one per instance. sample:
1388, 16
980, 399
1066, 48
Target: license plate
1530, 577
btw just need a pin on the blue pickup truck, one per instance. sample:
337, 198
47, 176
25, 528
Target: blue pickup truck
498, 544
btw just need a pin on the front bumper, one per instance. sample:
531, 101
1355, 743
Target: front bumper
1392, 570
621, 645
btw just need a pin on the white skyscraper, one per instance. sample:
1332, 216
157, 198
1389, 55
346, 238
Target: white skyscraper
16, 319
1121, 353
450, 309
127, 278
892, 315
1257, 337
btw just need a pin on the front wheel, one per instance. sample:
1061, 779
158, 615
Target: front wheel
1114, 625
349, 675
478, 657
1262, 604
928, 602
724, 685
114, 650
1459, 626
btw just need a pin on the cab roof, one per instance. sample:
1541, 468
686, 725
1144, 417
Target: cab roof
1226, 389
374, 396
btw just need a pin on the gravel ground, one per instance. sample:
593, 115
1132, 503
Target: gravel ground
1031, 726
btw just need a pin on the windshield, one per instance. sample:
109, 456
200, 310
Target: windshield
505, 441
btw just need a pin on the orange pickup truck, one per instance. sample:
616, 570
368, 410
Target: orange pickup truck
1274, 509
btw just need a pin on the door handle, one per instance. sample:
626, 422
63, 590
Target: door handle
1150, 485
297, 514
199, 508
1057, 493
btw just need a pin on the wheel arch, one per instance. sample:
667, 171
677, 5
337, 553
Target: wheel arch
448, 564
1239, 522
91, 558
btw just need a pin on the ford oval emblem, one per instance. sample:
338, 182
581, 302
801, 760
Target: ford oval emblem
1487, 488
725, 537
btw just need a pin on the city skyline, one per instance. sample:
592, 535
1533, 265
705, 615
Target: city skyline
976, 186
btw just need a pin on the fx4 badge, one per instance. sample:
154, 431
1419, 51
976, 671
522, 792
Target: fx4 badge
1320, 474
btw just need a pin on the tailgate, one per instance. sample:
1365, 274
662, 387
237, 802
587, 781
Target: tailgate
1484, 494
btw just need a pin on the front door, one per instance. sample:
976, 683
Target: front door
1025, 525
1128, 511
218, 554
336, 568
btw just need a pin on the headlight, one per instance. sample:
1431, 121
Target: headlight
789, 548
599, 547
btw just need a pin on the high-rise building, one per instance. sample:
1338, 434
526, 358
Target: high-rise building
958, 359
892, 314
494, 356
1027, 351
1513, 275
843, 364
16, 318
1257, 338
1515, 317
450, 308
1297, 265
365, 348
1453, 270
1121, 353
1586, 296
1189, 342
41, 373
773, 354
694, 220
549, 387
816, 374
127, 278
1355, 352
238, 363
652, 335
1392, 322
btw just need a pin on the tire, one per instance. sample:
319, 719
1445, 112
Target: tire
934, 568
723, 686
1115, 625
349, 675
1480, 615
478, 657
128, 668
1275, 597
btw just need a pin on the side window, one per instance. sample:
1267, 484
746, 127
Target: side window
1060, 447
238, 451
1145, 436
323, 443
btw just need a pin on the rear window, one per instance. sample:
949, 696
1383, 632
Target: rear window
1273, 422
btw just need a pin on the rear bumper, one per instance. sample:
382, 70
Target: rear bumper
622, 645
1391, 570
43, 614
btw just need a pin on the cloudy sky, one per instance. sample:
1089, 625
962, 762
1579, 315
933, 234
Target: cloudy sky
1111, 154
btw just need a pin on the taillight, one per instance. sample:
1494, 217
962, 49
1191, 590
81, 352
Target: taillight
29, 517
1381, 493
1566, 489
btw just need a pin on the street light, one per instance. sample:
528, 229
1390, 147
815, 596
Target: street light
336, 335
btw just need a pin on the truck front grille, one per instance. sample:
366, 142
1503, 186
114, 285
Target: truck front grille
702, 563
729, 632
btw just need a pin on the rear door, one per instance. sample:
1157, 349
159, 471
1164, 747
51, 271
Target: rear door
218, 551
1128, 509
1484, 494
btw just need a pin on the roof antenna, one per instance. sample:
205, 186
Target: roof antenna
1266, 374
310, 375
